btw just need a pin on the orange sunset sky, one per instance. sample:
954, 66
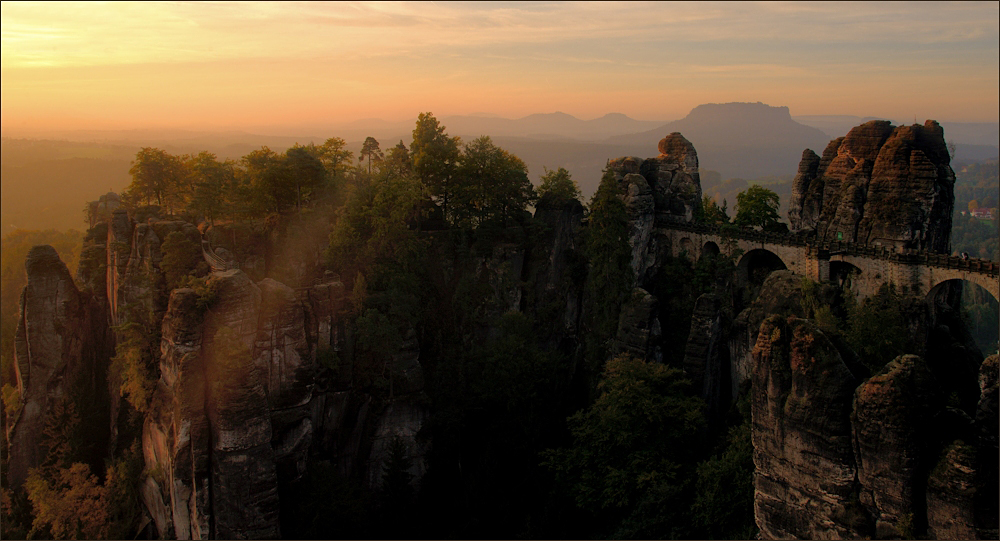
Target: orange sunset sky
210, 65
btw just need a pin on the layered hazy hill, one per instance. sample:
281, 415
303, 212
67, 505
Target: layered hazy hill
746, 140
47, 180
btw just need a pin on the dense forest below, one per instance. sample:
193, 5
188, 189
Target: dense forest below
469, 295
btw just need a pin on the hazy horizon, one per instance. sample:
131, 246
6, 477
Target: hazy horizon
282, 67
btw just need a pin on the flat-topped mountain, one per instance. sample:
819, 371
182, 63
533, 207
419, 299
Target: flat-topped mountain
747, 140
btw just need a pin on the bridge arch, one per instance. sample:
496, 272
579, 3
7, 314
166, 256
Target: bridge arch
756, 264
688, 248
980, 309
843, 273
710, 248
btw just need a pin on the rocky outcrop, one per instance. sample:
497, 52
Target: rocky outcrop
880, 184
803, 459
48, 351
781, 294
657, 191
209, 430
950, 494
706, 355
893, 442
639, 329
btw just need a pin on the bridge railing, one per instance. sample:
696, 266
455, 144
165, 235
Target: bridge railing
889, 253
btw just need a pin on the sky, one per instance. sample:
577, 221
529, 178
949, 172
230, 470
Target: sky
221, 65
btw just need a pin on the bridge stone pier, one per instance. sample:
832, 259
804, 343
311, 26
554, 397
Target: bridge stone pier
866, 268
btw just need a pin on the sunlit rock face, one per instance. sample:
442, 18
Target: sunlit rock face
48, 351
803, 457
657, 191
209, 429
880, 184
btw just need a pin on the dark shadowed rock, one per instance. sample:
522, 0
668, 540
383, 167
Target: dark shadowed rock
879, 184
706, 355
950, 492
48, 353
638, 327
804, 470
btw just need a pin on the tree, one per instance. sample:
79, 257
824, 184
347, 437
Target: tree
711, 213
181, 256
629, 448
305, 172
398, 160
213, 183
558, 185
156, 176
757, 207
494, 184
973, 206
335, 157
877, 328
266, 181
611, 276
370, 150
435, 158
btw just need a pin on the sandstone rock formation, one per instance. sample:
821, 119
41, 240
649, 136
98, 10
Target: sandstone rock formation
706, 355
657, 191
803, 458
893, 442
48, 350
880, 184
639, 329
781, 294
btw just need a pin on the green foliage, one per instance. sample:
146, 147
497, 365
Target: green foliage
157, 176
435, 159
626, 461
877, 328
711, 213
377, 341
306, 173
372, 229
396, 492
370, 150
610, 276
71, 504
493, 185
324, 505
724, 492
134, 364
214, 186
558, 185
15, 514
11, 402
758, 207
181, 257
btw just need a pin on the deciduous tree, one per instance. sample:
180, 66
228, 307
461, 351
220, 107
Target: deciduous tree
757, 207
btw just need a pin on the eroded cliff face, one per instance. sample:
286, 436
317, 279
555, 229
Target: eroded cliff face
657, 191
803, 458
840, 456
49, 347
880, 184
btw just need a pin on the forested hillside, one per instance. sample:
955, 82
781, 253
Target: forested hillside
318, 343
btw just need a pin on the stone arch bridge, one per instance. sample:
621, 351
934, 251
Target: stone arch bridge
867, 267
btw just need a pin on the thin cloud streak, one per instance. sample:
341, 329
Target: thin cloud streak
224, 61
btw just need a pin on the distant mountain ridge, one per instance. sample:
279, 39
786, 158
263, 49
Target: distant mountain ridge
745, 140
